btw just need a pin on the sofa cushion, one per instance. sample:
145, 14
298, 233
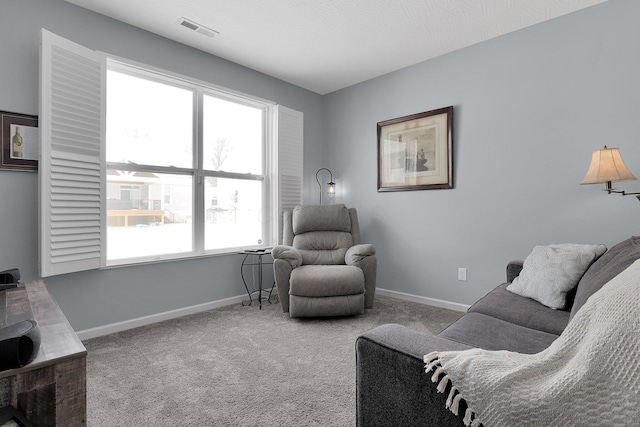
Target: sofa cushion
326, 281
505, 305
480, 330
323, 247
551, 272
614, 262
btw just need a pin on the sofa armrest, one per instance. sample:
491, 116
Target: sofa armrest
282, 274
513, 269
355, 254
285, 259
392, 387
287, 253
363, 257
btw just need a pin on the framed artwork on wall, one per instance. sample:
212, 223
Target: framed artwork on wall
19, 138
416, 152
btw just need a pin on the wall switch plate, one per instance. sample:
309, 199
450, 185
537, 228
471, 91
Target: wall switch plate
462, 274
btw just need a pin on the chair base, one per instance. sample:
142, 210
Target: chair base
343, 305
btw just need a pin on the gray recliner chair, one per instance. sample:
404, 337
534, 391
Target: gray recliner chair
322, 269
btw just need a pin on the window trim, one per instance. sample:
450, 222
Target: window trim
198, 172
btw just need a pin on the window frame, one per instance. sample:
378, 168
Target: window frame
198, 172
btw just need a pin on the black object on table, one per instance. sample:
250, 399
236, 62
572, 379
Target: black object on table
9, 279
19, 344
10, 416
256, 253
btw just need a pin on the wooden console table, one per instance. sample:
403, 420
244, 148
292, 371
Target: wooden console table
51, 390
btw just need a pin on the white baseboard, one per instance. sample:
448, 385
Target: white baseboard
173, 314
154, 318
423, 300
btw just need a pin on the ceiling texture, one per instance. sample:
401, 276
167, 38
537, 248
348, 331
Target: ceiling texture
326, 45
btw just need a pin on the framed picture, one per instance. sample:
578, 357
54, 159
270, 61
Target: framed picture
416, 152
20, 141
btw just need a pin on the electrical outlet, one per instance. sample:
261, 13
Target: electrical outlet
462, 274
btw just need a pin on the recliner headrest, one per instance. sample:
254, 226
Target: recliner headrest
321, 218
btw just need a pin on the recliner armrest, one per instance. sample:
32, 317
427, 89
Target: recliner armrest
363, 257
287, 253
355, 254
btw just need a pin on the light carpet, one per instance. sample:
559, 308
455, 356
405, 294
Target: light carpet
239, 366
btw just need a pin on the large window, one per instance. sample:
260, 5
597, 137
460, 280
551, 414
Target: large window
139, 165
185, 167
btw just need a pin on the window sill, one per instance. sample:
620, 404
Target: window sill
172, 258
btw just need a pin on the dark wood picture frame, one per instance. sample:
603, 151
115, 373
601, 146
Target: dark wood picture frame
416, 152
30, 147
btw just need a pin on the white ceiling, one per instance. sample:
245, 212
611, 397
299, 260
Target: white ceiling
326, 45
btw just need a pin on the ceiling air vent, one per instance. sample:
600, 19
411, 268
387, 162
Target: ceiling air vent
197, 27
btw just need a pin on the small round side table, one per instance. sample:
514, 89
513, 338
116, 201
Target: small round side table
254, 256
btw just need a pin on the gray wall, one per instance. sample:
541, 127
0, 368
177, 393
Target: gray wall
529, 108
95, 298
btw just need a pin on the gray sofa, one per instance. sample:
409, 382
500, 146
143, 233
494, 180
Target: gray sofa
393, 389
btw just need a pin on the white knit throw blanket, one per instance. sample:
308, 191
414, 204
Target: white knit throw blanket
590, 375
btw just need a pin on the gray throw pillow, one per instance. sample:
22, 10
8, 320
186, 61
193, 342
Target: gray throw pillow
552, 271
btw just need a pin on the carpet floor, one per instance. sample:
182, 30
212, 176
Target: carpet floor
238, 366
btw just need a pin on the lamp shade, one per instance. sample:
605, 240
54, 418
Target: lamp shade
607, 166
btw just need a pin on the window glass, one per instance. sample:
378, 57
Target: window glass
148, 122
148, 214
233, 213
232, 136
155, 131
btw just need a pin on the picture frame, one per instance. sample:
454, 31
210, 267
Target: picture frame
19, 138
415, 152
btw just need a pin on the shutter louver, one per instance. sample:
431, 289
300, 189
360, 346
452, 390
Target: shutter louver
290, 161
71, 166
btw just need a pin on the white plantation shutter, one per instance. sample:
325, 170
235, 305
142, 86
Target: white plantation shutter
71, 166
289, 142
